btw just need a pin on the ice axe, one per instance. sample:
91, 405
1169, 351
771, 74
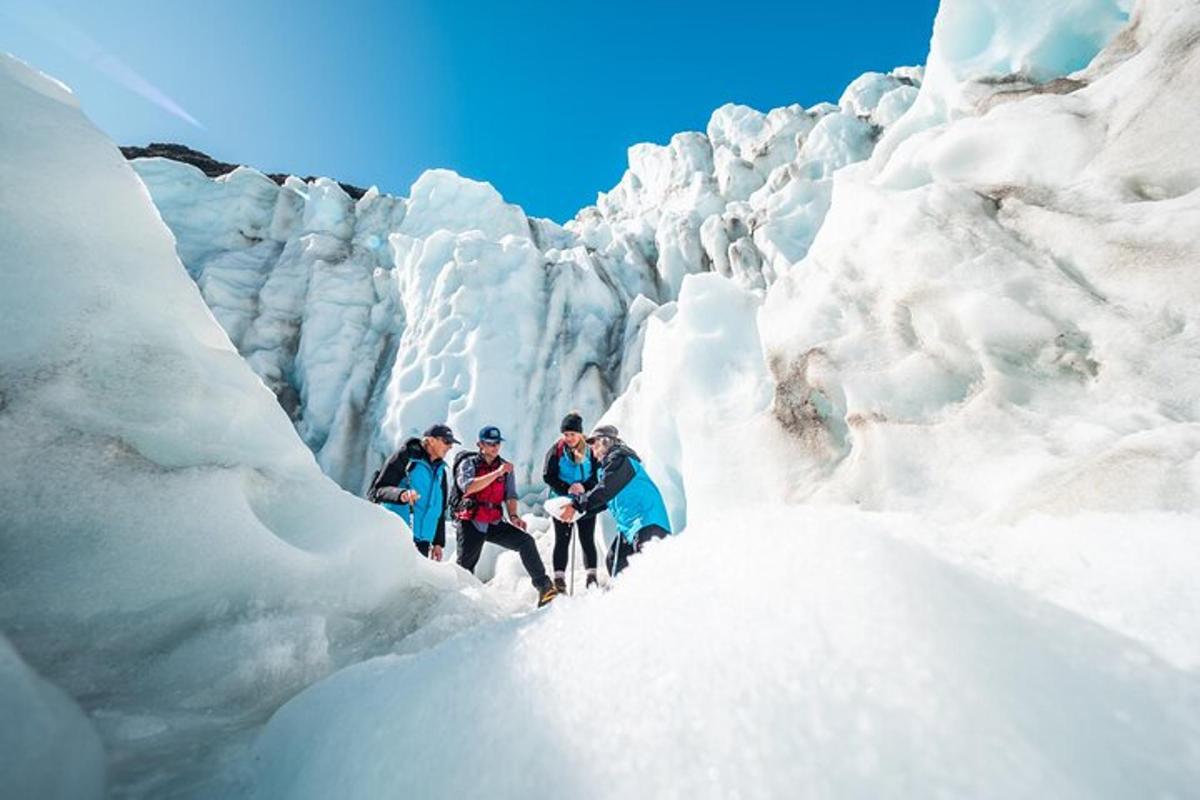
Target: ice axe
574, 536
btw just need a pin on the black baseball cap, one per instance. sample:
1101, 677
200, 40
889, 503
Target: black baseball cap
606, 431
490, 434
442, 432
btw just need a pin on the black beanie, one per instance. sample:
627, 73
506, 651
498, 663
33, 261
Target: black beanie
572, 422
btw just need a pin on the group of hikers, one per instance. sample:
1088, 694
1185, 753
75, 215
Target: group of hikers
596, 472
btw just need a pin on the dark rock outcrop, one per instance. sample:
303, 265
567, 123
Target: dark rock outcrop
210, 166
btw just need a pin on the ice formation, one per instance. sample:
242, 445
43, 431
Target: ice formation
928, 359
371, 319
829, 659
978, 389
48, 748
173, 557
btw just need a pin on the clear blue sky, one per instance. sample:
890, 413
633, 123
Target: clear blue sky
540, 99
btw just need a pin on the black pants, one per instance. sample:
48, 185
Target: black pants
618, 557
510, 537
422, 547
562, 542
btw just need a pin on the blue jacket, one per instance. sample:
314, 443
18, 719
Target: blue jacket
410, 468
428, 513
560, 470
625, 489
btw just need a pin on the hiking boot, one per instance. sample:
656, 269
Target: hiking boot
591, 581
560, 584
547, 594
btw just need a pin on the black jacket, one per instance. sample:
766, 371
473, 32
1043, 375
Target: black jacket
385, 488
618, 472
550, 470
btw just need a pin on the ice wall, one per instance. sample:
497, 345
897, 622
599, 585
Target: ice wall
371, 319
1000, 317
174, 560
997, 318
48, 748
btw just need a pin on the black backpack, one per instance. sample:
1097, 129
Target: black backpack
405, 464
460, 507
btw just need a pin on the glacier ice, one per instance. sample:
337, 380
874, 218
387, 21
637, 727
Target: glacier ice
174, 558
978, 385
970, 316
48, 747
979, 46
369, 319
920, 385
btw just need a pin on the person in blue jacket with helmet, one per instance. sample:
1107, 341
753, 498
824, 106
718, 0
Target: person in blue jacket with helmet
627, 491
412, 485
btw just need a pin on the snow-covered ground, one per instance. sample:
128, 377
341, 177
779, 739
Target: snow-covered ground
772, 652
922, 391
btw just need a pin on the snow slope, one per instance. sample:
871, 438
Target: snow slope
174, 559
372, 319
828, 660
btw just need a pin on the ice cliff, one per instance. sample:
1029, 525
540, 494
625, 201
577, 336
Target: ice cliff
370, 318
174, 559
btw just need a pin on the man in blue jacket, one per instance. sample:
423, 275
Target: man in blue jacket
626, 490
412, 485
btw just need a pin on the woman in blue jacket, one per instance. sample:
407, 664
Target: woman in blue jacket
571, 470
626, 490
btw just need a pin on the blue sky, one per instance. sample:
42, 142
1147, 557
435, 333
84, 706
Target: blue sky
540, 99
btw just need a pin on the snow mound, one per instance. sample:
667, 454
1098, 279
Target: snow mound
844, 664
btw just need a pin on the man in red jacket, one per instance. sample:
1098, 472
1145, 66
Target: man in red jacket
488, 488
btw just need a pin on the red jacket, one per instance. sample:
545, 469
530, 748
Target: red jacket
490, 499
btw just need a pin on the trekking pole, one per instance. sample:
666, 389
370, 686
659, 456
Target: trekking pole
412, 515
574, 533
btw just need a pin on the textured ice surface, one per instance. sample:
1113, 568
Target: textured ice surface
371, 320
1002, 318
980, 46
928, 421
829, 659
173, 557
48, 748
995, 332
